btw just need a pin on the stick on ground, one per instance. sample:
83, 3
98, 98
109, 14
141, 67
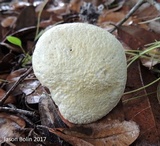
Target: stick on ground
138, 4
15, 85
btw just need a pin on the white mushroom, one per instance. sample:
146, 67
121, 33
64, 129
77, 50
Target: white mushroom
84, 67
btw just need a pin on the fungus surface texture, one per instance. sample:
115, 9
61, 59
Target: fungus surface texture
84, 67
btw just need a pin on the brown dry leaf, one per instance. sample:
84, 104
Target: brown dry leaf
148, 77
112, 17
19, 4
148, 62
6, 62
137, 106
51, 117
12, 47
12, 78
9, 126
15, 75
29, 86
74, 141
105, 131
155, 26
152, 60
75, 5
9, 21
10, 99
148, 13
107, 18
35, 97
136, 37
114, 133
3, 77
26, 18
60, 9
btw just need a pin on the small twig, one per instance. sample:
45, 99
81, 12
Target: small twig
15, 85
138, 4
19, 111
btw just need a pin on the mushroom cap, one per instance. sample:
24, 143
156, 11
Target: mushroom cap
84, 67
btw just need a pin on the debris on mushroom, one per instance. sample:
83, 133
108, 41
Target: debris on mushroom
84, 67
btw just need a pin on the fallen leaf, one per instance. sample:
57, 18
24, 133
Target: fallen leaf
51, 117
108, 18
34, 98
155, 26
29, 86
74, 141
10, 99
59, 10
148, 77
75, 5
9, 21
9, 126
3, 78
19, 4
6, 60
26, 18
137, 105
136, 37
15, 75
148, 13
11, 47
115, 133
111, 129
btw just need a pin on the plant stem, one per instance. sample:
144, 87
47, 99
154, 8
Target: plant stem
142, 87
39, 16
126, 100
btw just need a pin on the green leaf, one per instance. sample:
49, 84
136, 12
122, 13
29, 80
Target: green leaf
14, 40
